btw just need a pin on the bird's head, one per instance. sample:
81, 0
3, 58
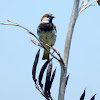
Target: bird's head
47, 18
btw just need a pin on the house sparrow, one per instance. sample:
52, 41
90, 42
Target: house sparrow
47, 33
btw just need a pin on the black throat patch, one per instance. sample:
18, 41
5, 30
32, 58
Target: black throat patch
45, 27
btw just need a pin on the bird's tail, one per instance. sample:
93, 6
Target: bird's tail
46, 54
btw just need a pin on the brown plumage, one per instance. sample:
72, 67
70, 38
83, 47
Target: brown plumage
47, 33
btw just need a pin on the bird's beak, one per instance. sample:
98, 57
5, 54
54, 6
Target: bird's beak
53, 16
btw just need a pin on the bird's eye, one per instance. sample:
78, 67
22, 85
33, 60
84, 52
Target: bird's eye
48, 16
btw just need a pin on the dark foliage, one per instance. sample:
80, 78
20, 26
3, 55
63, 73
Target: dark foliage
49, 79
52, 77
67, 80
82, 96
35, 65
42, 72
93, 97
48, 76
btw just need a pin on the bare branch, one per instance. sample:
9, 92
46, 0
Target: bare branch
36, 43
16, 24
84, 7
41, 44
67, 49
61, 60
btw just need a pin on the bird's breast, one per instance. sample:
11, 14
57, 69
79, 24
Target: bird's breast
47, 33
48, 37
45, 27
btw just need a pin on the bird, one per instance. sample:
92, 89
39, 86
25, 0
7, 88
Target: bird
47, 33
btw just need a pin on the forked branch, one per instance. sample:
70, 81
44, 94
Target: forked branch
87, 5
39, 43
67, 50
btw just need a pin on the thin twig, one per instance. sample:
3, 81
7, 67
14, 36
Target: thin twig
36, 43
51, 53
16, 24
41, 43
56, 53
87, 6
42, 92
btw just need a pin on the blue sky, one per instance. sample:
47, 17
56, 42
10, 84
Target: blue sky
17, 52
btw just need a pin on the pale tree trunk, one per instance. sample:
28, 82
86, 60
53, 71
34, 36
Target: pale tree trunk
67, 49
